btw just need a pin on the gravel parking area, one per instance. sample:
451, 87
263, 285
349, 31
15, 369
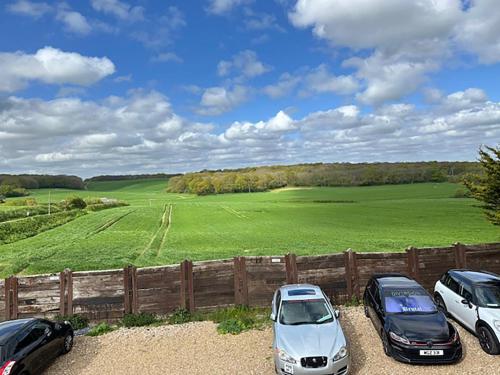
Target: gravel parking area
197, 348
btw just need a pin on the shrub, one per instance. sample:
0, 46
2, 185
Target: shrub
235, 326
77, 321
11, 191
180, 316
101, 329
139, 320
462, 193
73, 203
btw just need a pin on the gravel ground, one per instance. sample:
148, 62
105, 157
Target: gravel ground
196, 348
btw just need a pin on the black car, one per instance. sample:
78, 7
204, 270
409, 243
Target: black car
412, 328
27, 346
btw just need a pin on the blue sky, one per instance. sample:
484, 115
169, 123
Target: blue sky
114, 86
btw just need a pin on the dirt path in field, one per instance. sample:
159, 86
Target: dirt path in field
197, 348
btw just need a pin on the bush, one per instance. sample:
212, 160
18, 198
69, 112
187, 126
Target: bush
73, 203
31, 202
180, 316
77, 321
101, 329
11, 191
462, 193
235, 326
139, 320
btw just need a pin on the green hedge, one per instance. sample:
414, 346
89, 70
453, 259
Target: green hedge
23, 228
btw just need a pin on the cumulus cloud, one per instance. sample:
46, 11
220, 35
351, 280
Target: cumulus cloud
52, 66
167, 57
29, 8
217, 100
73, 21
141, 132
245, 63
119, 9
397, 44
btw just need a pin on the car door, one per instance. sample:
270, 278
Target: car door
32, 347
452, 296
467, 312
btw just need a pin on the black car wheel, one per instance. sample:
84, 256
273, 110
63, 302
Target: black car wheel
68, 343
487, 340
385, 343
440, 304
366, 312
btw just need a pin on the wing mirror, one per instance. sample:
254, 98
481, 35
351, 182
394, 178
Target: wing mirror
273, 317
336, 313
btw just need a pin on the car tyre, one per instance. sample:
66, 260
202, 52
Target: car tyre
487, 340
68, 343
366, 311
440, 304
385, 344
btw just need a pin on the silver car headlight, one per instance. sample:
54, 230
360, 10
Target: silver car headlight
497, 324
340, 354
285, 357
400, 339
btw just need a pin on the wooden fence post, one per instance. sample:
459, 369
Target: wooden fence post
460, 255
413, 266
292, 275
187, 286
11, 295
66, 293
240, 281
351, 274
130, 303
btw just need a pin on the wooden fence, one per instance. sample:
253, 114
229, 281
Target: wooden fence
108, 295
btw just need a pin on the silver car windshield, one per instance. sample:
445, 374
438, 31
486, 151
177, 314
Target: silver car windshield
312, 311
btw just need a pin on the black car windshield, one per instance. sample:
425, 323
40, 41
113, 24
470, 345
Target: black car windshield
311, 311
408, 301
488, 295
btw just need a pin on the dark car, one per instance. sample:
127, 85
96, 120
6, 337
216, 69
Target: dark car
27, 346
410, 325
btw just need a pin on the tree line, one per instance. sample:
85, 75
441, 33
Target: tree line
130, 177
32, 181
320, 174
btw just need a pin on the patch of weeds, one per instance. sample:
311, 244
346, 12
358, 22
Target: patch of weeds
235, 326
181, 316
101, 329
77, 321
237, 319
354, 301
140, 320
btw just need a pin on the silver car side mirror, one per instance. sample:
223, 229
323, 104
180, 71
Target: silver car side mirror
337, 314
273, 317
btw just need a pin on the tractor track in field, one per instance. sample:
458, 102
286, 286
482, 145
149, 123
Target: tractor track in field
232, 211
162, 231
109, 223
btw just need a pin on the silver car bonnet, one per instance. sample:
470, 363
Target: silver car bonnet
310, 340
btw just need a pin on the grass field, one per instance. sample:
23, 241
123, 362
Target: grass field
160, 228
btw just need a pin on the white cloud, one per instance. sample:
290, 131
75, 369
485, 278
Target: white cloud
320, 80
167, 57
377, 23
119, 9
29, 8
220, 7
480, 31
141, 132
73, 21
285, 85
218, 100
52, 66
245, 63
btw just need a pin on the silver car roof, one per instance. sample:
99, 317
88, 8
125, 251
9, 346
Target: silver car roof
285, 295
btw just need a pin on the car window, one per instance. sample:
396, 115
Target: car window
488, 295
376, 297
32, 336
452, 284
466, 292
278, 300
444, 279
373, 288
312, 311
408, 300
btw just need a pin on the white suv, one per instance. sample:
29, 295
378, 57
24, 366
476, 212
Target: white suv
473, 299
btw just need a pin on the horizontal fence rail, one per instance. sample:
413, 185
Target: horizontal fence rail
110, 294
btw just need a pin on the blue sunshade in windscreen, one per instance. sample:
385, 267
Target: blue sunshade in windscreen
301, 292
408, 301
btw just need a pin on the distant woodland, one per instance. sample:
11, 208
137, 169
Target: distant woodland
320, 174
32, 181
130, 177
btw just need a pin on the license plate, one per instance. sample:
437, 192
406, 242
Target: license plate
288, 368
431, 352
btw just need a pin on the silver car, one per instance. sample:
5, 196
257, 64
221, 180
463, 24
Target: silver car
308, 338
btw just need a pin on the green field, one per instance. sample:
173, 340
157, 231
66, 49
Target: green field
303, 221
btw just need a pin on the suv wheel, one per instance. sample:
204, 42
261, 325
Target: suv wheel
68, 343
487, 340
366, 312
